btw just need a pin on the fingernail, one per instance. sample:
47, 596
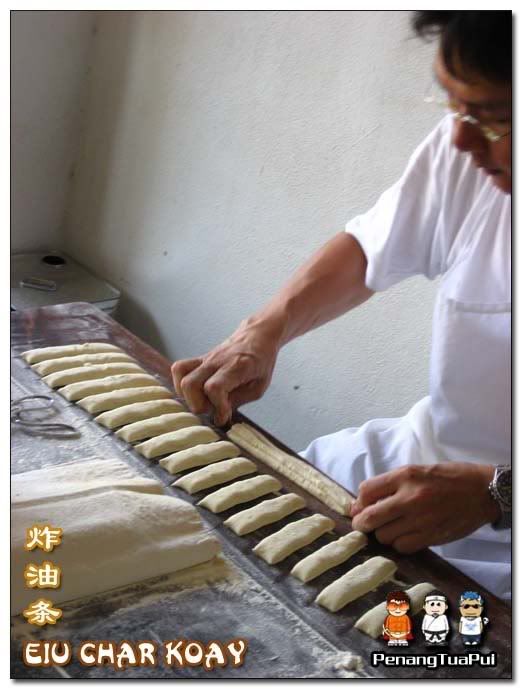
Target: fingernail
354, 510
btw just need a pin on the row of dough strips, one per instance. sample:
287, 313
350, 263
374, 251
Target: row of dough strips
109, 384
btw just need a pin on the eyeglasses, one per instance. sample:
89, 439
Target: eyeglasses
475, 606
492, 133
403, 605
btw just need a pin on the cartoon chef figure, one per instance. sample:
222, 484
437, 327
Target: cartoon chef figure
471, 626
435, 625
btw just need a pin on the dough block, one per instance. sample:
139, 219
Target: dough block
356, 583
199, 455
176, 440
81, 373
267, 512
34, 356
239, 492
329, 556
111, 536
215, 474
292, 537
138, 411
86, 476
150, 428
105, 401
372, 621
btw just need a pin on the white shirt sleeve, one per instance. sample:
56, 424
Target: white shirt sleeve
406, 233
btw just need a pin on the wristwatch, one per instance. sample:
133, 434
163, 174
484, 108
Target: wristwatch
500, 491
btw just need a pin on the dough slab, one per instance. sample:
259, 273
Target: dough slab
356, 583
216, 474
267, 512
82, 477
199, 455
292, 537
138, 411
34, 356
329, 556
105, 401
77, 391
81, 373
239, 492
176, 440
150, 428
371, 622
63, 363
111, 536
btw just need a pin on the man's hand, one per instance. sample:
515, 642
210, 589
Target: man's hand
239, 370
418, 506
235, 372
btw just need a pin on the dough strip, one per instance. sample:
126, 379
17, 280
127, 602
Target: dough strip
35, 356
239, 492
267, 512
199, 455
216, 474
292, 537
297, 470
356, 583
329, 556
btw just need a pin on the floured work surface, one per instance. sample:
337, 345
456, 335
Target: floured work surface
289, 635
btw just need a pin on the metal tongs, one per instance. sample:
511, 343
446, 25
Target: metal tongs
27, 412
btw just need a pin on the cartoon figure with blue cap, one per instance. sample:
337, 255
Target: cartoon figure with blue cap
471, 626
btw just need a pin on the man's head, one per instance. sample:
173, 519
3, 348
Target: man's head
435, 604
397, 603
471, 604
473, 67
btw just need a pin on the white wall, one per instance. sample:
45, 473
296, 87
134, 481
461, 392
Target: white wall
221, 149
49, 62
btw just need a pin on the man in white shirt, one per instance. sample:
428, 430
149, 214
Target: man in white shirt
438, 477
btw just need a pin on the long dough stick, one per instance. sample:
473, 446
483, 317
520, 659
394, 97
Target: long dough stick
215, 474
356, 583
150, 428
329, 556
297, 470
34, 356
116, 398
239, 492
63, 363
292, 537
78, 391
177, 440
372, 621
199, 455
138, 411
267, 512
82, 373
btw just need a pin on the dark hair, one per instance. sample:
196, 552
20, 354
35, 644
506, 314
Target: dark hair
398, 596
479, 40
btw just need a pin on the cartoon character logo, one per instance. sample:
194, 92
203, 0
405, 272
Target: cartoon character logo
435, 625
471, 626
397, 626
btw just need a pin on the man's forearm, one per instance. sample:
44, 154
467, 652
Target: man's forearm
329, 284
